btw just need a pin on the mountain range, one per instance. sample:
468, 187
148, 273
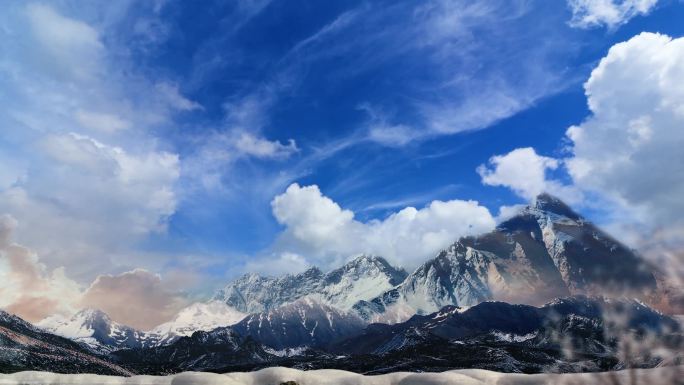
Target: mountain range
543, 252
491, 335
363, 278
457, 303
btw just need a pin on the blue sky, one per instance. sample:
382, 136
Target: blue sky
158, 135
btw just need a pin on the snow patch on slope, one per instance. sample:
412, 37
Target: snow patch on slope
204, 316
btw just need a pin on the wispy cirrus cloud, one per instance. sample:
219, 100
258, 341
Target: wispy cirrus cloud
609, 13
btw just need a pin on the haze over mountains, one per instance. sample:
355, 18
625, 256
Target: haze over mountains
544, 252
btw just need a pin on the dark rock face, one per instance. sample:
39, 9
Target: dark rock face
302, 323
492, 335
203, 351
25, 347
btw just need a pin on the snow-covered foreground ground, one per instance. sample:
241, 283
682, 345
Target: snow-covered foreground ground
276, 376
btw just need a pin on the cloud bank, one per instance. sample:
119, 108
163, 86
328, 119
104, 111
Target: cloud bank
318, 228
29, 289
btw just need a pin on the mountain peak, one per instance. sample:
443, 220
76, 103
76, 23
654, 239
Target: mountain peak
367, 260
92, 314
549, 203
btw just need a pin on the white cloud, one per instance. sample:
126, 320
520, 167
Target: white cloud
249, 144
101, 122
111, 200
276, 265
81, 167
68, 46
508, 212
323, 230
136, 298
27, 288
170, 94
630, 148
521, 169
525, 172
611, 13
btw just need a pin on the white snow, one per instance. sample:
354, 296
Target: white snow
203, 316
289, 352
509, 337
275, 376
199, 316
81, 327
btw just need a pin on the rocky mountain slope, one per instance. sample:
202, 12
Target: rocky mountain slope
203, 351
545, 251
362, 278
101, 334
95, 329
491, 335
200, 316
513, 323
26, 347
304, 322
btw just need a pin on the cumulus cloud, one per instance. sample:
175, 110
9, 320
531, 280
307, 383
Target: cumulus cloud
32, 291
627, 155
81, 166
137, 298
27, 288
525, 172
628, 151
112, 198
609, 13
629, 148
521, 169
325, 231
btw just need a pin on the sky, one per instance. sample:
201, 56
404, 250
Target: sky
152, 151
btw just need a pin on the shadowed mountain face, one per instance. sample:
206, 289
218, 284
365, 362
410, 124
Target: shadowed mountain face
491, 335
517, 323
304, 322
25, 347
544, 252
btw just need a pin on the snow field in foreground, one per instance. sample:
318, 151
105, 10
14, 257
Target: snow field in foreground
275, 376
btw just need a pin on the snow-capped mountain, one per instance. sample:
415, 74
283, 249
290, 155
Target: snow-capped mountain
362, 278
491, 335
305, 322
95, 329
579, 317
99, 332
203, 350
198, 316
544, 252
26, 347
